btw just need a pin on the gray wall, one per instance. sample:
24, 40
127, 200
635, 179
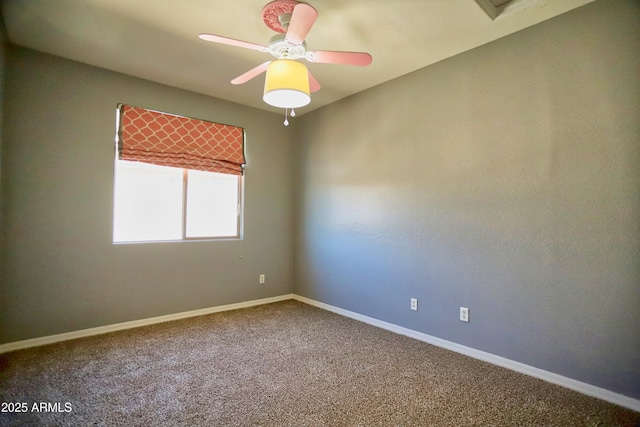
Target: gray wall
3, 72
506, 180
62, 273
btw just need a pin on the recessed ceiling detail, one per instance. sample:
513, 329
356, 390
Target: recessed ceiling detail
495, 8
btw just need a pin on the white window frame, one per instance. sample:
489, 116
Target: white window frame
184, 237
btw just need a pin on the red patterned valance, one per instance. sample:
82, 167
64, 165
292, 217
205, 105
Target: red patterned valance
168, 140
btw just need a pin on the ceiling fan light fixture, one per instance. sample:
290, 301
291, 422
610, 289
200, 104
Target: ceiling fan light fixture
286, 84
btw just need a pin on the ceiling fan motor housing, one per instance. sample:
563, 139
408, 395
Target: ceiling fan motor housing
282, 49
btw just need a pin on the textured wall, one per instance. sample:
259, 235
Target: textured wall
3, 72
62, 273
505, 179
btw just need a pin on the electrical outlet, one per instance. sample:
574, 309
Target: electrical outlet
414, 304
464, 314
261, 278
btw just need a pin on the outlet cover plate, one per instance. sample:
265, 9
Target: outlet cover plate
464, 314
414, 304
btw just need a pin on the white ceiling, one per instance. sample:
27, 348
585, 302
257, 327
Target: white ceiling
158, 39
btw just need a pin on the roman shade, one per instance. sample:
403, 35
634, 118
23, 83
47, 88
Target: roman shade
169, 140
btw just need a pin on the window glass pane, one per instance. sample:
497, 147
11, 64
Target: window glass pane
212, 204
147, 202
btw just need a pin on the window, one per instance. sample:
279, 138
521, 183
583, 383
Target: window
166, 189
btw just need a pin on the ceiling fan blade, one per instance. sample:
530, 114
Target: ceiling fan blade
232, 42
302, 20
314, 86
346, 58
254, 72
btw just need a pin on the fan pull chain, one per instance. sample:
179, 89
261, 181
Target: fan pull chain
286, 122
293, 112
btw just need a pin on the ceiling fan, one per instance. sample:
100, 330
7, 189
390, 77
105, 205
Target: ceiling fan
293, 21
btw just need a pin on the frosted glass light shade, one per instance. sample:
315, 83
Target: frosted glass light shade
286, 84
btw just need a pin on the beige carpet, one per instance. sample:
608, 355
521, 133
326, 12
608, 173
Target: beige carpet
282, 364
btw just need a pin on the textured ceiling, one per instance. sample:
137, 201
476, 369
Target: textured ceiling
158, 39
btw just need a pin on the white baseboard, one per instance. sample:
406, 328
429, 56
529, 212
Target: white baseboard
572, 384
34, 342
